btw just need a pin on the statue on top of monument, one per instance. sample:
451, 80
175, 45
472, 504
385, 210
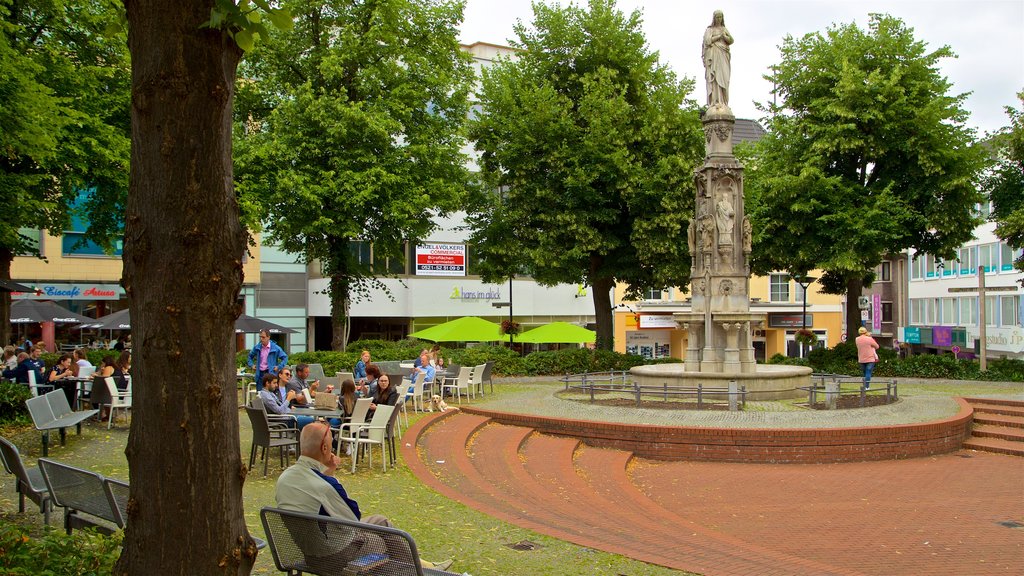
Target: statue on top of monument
717, 61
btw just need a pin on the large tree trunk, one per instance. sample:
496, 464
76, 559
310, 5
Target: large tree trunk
339, 312
182, 273
6, 258
602, 288
854, 288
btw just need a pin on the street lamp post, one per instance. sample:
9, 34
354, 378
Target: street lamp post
511, 337
804, 281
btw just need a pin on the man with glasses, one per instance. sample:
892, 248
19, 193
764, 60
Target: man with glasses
309, 486
273, 403
294, 385
267, 357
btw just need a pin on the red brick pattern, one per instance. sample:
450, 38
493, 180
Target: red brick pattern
774, 445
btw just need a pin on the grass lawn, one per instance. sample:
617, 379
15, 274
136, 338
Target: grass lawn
442, 528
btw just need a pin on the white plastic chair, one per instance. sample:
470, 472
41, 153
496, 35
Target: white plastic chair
369, 434
476, 380
359, 412
461, 383
118, 399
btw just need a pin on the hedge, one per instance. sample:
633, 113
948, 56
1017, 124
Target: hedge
842, 359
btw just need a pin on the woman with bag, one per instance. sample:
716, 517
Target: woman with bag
867, 354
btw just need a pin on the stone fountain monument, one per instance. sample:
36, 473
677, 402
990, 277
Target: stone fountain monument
719, 326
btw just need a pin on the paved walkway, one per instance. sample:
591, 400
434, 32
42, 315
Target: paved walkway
956, 514
541, 399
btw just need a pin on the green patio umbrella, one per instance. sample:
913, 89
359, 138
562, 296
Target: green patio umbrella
465, 329
557, 333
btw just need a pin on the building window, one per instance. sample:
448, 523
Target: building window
656, 295
34, 238
988, 257
917, 311
984, 209
1009, 311
360, 251
991, 311
886, 311
885, 272
948, 316
968, 256
281, 290
968, 311
1008, 256
916, 267
779, 288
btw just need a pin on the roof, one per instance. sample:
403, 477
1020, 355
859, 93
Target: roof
747, 131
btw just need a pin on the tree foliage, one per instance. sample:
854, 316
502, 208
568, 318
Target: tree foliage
866, 155
64, 122
349, 129
1005, 186
591, 143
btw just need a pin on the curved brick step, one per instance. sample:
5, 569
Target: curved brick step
568, 514
703, 549
1004, 432
997, 445
995, 402
987, 408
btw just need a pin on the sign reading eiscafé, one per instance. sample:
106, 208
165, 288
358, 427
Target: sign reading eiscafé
441, 260
71, 292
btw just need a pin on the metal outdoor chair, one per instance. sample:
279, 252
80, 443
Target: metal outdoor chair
117, 495
282, 439
303, 543
82, 495
28, 481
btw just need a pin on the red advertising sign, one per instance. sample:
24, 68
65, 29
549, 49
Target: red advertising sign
441, 260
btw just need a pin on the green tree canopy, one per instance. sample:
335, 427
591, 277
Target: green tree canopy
349, 129
591, 143
866, 155
1005, 186
64, 122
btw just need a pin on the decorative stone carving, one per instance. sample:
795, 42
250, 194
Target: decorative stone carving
748, 233
726, 287
717, 61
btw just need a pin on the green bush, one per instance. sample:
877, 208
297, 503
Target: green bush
83, 553
12, 402
842, 359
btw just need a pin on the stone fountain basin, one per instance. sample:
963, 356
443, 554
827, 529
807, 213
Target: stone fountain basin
769, 382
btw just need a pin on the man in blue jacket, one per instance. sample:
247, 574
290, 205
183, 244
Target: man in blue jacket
267, 358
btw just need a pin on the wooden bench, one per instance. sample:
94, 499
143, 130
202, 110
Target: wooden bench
304, 543
52, 412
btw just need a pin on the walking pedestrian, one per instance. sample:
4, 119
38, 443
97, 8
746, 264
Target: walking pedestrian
867, 354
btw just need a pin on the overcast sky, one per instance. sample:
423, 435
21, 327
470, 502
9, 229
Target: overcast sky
987, 35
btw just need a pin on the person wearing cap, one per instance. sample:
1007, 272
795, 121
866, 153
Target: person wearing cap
867, 354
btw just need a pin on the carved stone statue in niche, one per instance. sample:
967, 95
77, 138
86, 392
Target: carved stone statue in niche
725, 214
706, 233
690, 237
748, 233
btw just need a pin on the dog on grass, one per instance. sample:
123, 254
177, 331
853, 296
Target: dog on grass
437, 403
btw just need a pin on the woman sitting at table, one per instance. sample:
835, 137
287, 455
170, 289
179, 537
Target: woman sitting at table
80, 361
369, 388
386, 394
347, 398
61, 370
121, 368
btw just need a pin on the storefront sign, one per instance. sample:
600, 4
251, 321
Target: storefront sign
461, 293
441, 260
876, 312
910, 334
1008, 339
790, 320
661, 321
650, 344
72, 292
942, 335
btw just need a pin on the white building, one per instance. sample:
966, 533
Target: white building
943, 299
